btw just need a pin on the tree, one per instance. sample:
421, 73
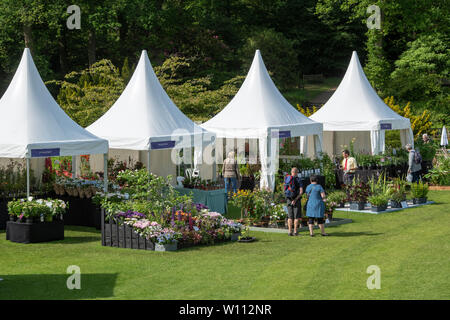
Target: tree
86, 95
278, 53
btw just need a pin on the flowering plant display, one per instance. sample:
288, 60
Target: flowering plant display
155, 210
30, 207
278, 212
358, 191
83, 188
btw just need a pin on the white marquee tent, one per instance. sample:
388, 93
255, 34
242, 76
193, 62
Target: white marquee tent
145, 118
355, 110
259, 111
32, 125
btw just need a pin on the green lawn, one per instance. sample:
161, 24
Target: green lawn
412, 248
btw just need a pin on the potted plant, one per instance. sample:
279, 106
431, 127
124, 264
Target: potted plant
397, 194
167, 241
378, 202
357, 195
419, 192
338, 198
245, 236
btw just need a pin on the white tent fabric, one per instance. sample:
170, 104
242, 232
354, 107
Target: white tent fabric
145, 118
259, 111
33, 125
355, 106
444, 139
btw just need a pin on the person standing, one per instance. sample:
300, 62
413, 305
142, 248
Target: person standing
293, 190
230, 173
315, 207
414, 164
349, 167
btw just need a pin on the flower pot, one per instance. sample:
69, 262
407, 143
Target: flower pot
357, 205
396, 204
166, 247
419, 200
235, 236
29, 220
378, 208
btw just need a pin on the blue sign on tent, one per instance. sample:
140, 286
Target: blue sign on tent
162, 145
386, 126
44, 153
281, 134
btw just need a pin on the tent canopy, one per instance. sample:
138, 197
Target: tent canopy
259, 107
33, 125
144, 117
355, 106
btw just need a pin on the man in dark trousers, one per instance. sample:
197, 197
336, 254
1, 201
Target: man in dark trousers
293, 190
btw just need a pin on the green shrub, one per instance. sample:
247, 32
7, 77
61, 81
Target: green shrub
419, 190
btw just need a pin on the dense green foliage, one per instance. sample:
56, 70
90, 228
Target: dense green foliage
210, 44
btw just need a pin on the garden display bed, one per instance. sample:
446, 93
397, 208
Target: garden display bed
123, 236
334, 222
34, 232
367, 207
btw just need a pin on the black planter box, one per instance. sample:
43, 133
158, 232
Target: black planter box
357, 205
122, 236
34, 232
378, 209
419, 200
395, 204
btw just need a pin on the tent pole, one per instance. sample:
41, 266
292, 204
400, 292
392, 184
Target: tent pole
28, 178
74, 167
105, 172
148, 161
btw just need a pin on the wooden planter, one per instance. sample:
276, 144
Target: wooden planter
34, 232
122, 236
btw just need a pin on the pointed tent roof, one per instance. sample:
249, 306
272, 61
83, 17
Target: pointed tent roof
356, 106
144, 116
33, 125
259, 107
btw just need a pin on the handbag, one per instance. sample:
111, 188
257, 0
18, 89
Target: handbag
409, 177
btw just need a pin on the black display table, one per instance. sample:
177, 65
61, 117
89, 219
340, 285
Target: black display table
81, 212
306, 182
34, 232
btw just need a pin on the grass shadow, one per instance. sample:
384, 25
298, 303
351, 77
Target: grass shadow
54, 286
81, 229
77, 240
354, 234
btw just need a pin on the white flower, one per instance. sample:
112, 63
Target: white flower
30, 198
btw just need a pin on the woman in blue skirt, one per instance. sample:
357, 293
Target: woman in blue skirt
315, 208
